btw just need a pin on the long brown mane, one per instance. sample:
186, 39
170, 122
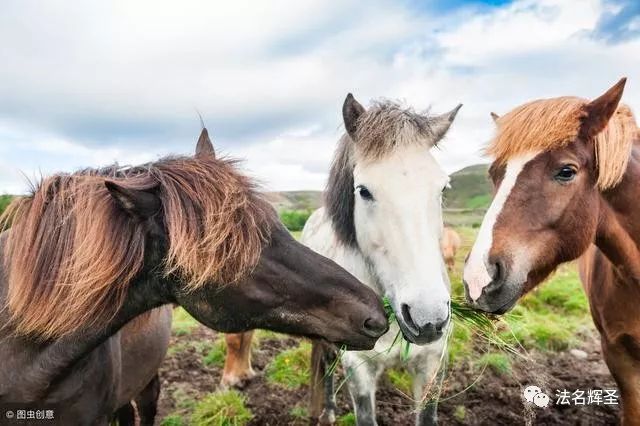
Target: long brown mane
72, 252
548, 124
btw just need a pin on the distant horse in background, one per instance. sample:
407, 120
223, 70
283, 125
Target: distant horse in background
450, 245
89, 252
567, 173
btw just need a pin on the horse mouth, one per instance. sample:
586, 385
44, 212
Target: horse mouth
502, 309
505, 308
361, 343
419, 340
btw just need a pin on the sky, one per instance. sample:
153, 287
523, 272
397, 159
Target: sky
89, 83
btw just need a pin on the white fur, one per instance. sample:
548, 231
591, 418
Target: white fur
399, 233
476, 273
398, 255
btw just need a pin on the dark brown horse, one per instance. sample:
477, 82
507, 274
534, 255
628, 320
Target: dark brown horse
88, 252
567, 173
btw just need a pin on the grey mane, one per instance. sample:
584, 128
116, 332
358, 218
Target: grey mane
381, 129
338, 196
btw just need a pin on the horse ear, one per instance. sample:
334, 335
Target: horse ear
441, 123
494, 116
204, 147
351, 112
600, 110
136, 202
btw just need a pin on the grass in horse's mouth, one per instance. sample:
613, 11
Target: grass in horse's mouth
481, 323
488, 327
399, 339
484, 325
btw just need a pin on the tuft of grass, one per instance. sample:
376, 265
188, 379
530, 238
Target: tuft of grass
299, 412
459, 343
460, 413
216, 353
542, 330
562, 292
182, 399
497, 361
405, 346
173, 420
348, 419
225, 408
198, 347
401, 380
177, 348
268, 334
182, 323
291, 368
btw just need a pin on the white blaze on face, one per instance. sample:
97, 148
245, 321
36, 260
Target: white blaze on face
476, 273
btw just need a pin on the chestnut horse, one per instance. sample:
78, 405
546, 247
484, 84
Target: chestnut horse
88, 252
450, 245
566, 174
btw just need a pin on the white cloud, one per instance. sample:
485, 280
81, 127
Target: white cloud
93, 82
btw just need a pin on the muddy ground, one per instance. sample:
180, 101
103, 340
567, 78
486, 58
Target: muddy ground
494, 399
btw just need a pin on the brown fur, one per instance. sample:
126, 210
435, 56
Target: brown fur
72, 251
450, 245
237, 363
548, 124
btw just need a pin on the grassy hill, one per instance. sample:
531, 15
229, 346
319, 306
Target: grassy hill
469, 196
4, 202
295, 200
470, 189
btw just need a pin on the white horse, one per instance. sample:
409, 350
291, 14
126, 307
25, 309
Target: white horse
382, 221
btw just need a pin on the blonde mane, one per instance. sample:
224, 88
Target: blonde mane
549, 124
72, 252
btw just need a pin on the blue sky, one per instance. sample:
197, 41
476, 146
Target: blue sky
89, 83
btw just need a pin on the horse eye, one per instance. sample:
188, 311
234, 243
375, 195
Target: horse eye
364, 193
565, 174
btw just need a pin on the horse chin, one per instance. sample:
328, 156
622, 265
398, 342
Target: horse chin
348, 341
499, 305
504, 308
363, 343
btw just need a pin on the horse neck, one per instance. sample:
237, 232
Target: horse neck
618, 232
53, 359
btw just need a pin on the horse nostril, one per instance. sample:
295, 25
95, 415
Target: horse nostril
498, 271
408, 320
442, 325
375, 327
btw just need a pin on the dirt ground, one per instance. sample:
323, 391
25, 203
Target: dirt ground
494, 399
